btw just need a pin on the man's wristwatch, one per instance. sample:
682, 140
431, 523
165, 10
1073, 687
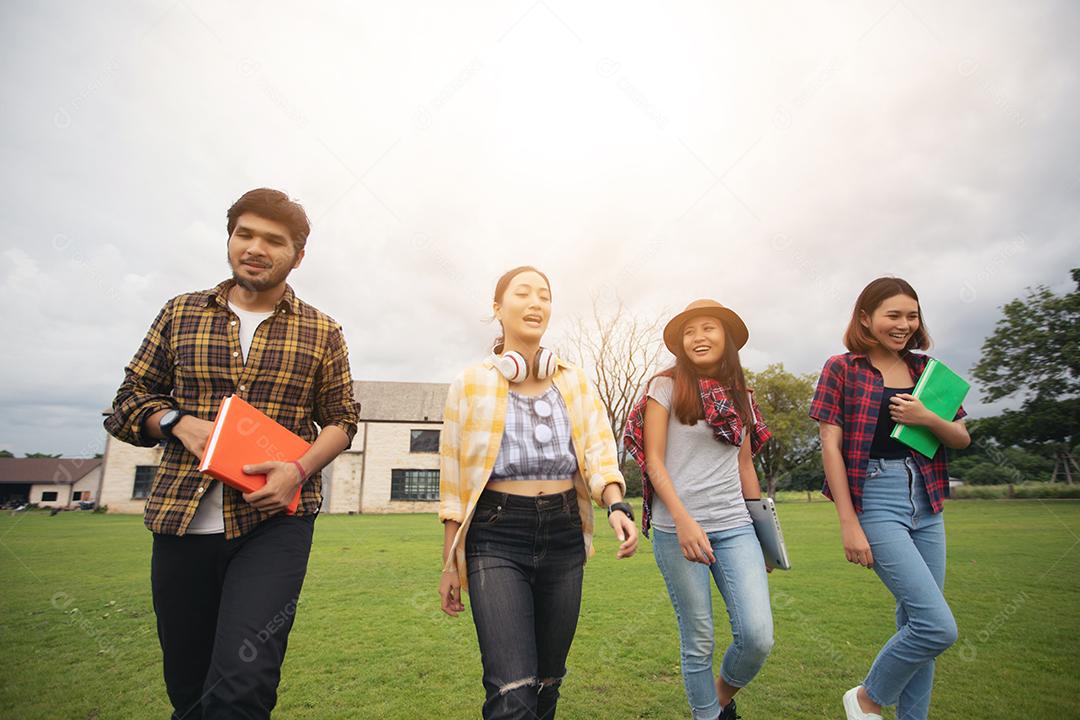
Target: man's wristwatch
168, 422
621, 506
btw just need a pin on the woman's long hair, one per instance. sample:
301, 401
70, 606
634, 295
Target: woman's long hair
686, 395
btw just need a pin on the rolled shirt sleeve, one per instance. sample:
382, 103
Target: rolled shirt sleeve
147, 386
450, 504
601, 457
828, 403
334, 401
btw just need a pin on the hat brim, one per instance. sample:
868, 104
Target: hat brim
736, 328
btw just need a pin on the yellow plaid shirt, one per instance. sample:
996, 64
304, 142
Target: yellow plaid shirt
297, 372
473, 423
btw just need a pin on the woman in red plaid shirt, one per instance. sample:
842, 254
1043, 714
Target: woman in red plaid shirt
889, 497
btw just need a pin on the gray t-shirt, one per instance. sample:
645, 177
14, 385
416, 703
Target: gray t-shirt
704, 471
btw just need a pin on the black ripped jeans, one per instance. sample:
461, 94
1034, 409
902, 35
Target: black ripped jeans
525, 557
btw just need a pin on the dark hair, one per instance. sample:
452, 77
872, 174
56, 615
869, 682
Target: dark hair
272, 205
686, 394
500, 290
858, 339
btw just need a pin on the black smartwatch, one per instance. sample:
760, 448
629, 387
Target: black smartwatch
621, 506
168, 422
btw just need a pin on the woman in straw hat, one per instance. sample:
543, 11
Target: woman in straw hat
693, 434
526, 448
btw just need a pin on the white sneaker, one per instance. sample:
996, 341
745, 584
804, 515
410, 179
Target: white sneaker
851, 706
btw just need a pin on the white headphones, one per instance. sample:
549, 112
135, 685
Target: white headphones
513, 367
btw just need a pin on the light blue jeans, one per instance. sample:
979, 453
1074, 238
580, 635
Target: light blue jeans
908, 544
739, 573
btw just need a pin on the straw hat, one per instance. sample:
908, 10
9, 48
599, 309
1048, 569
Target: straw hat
736, 328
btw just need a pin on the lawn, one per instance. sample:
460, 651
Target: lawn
78, 639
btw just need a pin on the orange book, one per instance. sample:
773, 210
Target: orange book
242, 435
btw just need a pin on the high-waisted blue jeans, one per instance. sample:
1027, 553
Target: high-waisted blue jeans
739, 573
908, 543
525, 557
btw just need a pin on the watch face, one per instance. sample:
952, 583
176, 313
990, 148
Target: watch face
168, 420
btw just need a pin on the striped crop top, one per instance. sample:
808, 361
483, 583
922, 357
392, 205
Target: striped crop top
536, 443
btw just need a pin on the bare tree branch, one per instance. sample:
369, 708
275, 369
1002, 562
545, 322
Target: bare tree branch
620, 351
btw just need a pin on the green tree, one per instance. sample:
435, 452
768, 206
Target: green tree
989, 473
6, 454
784, 398
1034, 351
632, 475
42, 455
1042, 426
1035, 347
808, 476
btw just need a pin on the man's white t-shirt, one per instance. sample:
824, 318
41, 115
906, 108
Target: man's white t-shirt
210, 517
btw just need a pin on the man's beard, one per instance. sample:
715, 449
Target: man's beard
254, 285
260, 285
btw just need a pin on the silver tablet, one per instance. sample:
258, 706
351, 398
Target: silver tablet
771, 537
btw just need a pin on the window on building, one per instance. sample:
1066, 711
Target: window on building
414, 484
77, 495
144, 476
48, 496
424, 441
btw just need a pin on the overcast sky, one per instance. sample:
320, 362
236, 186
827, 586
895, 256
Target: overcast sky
773, 156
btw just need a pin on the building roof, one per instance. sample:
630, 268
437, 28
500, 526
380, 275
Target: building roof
49, 471
400, 401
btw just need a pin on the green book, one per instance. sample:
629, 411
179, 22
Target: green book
941, 391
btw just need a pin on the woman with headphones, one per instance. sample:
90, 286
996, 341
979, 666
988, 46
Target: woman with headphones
525, 447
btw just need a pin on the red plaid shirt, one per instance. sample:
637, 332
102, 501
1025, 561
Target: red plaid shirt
849, 395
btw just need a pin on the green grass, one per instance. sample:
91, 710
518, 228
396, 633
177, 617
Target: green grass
78, 639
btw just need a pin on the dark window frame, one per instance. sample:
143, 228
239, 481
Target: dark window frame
46, 493
144, 479
417, 445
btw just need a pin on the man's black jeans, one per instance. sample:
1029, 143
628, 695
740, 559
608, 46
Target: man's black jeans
224, 610
525, 557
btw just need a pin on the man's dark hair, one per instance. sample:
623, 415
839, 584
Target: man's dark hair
273, 205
